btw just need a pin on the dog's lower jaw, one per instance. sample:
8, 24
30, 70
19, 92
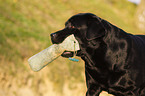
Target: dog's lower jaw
67, 54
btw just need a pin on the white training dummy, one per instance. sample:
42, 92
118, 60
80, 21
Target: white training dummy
41, 59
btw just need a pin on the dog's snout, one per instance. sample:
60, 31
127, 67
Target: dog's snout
58, 37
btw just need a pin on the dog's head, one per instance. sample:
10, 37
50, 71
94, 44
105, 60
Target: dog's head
84, 26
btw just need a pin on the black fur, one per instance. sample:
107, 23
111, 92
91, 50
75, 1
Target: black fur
114, 59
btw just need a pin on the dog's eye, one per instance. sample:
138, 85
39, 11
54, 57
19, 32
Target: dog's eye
71, 27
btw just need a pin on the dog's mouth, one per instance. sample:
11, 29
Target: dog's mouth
67, 54
57, 39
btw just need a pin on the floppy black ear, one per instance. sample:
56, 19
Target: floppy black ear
95, 30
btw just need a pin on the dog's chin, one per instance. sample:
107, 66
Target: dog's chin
67, 54
56, 41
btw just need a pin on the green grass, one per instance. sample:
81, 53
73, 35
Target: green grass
25, 26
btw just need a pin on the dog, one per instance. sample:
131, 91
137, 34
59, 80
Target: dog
114, 59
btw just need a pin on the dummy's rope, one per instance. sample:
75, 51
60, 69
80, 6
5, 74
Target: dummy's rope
75, 52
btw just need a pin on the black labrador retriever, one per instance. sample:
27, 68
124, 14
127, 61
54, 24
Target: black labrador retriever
114, 59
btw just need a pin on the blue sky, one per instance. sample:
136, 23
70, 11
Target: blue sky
135, 1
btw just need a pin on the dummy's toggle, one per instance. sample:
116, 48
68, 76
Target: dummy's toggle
41, 59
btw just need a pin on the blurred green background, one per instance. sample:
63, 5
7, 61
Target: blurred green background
25, 28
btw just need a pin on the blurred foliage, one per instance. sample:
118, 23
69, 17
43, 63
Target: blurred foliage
25, 26
140, 16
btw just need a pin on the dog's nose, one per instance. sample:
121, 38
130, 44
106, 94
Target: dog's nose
53, 38
53, 35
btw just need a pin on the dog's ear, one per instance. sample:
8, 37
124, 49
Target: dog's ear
95, 29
